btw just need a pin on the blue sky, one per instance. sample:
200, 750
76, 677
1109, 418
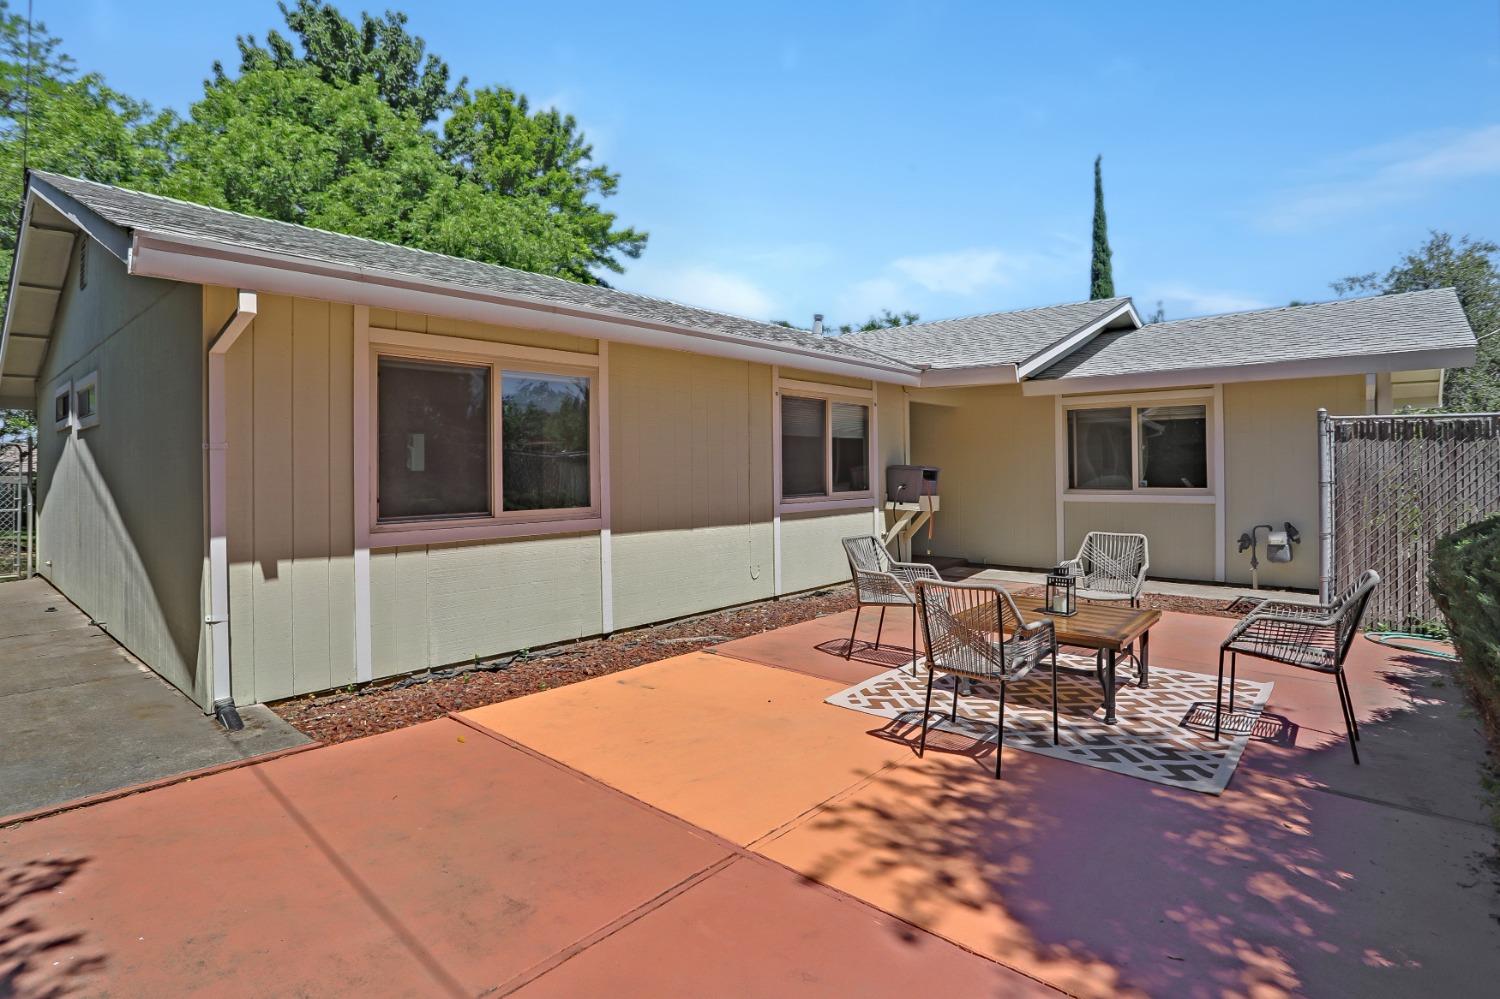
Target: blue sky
789, 158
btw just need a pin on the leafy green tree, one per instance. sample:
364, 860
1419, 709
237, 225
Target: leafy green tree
884, 319
52, 118
409, 79
1470, 267
503, 183
1101, 271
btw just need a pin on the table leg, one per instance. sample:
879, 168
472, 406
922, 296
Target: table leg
1109, 687
1145, 660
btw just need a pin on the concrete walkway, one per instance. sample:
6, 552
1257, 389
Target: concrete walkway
80, 716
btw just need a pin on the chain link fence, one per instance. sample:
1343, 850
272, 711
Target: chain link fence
1391, 487
17, 549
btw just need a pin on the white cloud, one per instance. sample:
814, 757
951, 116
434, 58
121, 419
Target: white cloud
963, 272
703, 286
1181, 301
1391, 173
866, 298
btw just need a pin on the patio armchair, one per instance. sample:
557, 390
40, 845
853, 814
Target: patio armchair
974, 632
880, 581
1309, 636
1111, 566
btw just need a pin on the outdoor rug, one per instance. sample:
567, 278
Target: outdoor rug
1163, 734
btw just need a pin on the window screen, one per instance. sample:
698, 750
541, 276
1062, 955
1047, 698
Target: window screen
544, 430
802, 452
851, 447
1099, 448
1174, 447
434, 439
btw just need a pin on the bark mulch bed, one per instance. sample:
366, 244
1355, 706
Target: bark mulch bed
352, 713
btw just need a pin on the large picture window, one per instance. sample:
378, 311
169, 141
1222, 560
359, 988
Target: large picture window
1135, 448
545, 439
471, 443
434, 440
825, 448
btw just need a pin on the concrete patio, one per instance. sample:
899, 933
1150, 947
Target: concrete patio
707, 825
83, 717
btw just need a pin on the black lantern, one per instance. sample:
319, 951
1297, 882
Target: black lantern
1062, 592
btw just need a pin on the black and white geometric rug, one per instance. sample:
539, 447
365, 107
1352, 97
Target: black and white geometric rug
1163, 734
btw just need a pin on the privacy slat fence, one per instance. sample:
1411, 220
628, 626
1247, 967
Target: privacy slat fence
1391, 487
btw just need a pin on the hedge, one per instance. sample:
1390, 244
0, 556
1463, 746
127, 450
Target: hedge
1464, 577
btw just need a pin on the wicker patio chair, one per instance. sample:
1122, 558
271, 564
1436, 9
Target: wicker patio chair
1111, 566
879, 581
1309, 636
975, 632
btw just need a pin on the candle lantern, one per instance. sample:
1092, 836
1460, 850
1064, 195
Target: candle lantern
1062, 591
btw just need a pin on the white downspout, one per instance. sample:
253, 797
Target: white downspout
218, 511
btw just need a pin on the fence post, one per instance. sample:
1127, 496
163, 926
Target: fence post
1325, 508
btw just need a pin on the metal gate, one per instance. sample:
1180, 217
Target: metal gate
17, 540
1390, 487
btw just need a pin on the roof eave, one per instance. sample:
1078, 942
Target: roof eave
985, 374
1080, 337
1352, 364
178, 257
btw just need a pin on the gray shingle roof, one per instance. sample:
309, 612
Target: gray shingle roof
1385, 324
169, 216
977, 341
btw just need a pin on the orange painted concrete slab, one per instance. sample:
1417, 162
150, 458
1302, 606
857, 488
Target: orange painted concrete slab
817, 647
1102, 885
755, 929
434, 860
731, 746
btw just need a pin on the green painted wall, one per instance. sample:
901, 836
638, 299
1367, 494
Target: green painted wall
120, 504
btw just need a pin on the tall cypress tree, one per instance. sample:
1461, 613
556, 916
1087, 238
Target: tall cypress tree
1101, 274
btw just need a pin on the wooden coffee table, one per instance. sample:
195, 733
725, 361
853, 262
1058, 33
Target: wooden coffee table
1105, 626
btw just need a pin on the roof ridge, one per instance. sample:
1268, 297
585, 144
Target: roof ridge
1108, 302
564, 282
1300, 305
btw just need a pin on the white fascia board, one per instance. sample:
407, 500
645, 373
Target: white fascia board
105, 233
989, 374
206, 262
1078, 338
1353, 364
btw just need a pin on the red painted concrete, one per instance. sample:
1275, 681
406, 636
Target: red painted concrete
757, 930
432, 861
817, 647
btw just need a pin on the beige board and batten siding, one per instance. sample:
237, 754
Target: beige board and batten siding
994, 448
690, 462
289, 381
691, 502
1180, 536
1271, 467
120, 504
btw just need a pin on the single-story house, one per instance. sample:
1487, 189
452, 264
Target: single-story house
275, 460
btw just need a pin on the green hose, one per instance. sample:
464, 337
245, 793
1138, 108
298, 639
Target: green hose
1385, 638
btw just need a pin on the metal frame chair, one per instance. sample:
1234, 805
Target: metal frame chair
1309, 636
1111, 566
975, 632
880, 581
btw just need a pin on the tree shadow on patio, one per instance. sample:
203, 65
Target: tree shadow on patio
35, 962
1103, 885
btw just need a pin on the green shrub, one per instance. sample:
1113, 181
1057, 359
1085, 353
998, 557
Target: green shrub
1464, 577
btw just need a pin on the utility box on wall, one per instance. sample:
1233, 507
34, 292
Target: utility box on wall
905, 483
